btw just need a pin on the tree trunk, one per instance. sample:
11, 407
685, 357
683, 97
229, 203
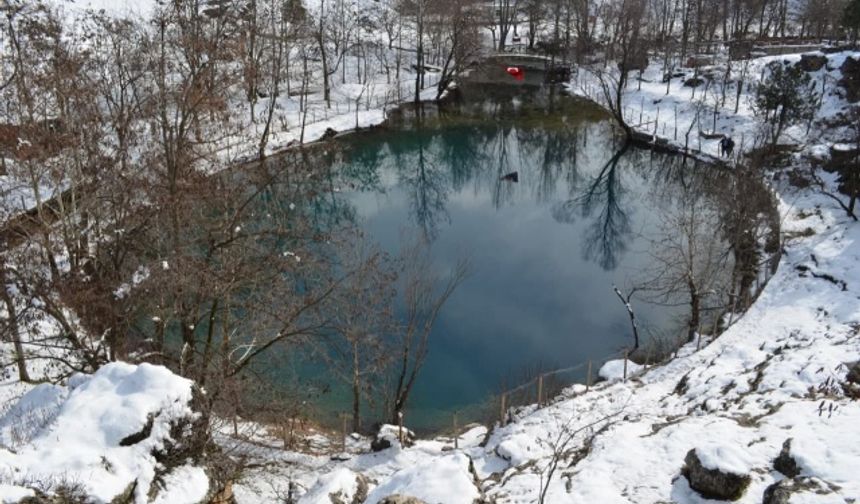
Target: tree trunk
14, 330
356, 389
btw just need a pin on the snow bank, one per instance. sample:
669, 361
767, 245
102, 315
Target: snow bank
341, 482
445, 479
184, 485
97, 434
614, 370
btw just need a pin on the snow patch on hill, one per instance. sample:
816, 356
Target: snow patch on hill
99, 434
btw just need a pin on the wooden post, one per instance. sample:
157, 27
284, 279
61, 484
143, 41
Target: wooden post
502, 409
343, 431
400, 427
625, 365
676, 122
456, 433
540, 391
588, 377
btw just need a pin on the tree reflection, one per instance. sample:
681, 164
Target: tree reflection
606, 235
426, 183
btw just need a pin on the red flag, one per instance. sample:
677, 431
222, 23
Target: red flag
516, 72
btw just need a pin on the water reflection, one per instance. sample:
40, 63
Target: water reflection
545, 251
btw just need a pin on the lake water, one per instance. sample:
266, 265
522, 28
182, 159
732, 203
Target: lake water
544, 252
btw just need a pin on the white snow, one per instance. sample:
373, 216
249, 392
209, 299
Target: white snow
72, 434
445, 479
341, 482
726, 458
614, 369
187, 484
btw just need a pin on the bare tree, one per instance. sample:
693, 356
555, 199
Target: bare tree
423, 300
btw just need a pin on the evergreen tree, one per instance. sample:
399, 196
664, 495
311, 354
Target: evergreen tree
784, 98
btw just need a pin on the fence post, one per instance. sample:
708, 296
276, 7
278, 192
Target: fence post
343, 431
540, 391
502, 409
456, 433
400, 427
588, 377
625, 365
676, 122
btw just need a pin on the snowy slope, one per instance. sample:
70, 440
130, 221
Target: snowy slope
82, 436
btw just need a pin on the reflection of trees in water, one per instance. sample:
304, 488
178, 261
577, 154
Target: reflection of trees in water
607, 233
315, 194
459, 149
554, 154
426, 182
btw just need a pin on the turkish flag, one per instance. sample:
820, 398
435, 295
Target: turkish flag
516, 72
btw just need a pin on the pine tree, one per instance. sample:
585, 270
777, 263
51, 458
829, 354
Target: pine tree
784, 98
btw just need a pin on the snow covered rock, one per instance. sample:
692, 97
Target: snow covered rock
401, 499
446, 479
717, 472
614, 370
341, 486
807, 490
120, 432
389, 435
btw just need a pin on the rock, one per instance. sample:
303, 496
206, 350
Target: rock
389, 435
812, 62
700, 60
401, 499
341, 486
379, 444
851, 79
329, 133
713, 483
785, 463
694, 82
189, 437
853, 375
740, 49
782, 491
127, 495
842, 155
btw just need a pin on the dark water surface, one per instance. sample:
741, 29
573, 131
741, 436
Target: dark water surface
544, 251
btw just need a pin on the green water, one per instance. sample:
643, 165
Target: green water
544, 251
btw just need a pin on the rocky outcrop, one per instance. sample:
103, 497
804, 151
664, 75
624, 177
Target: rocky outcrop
713, 483
812, 62
853, 375
784, 462
782, 491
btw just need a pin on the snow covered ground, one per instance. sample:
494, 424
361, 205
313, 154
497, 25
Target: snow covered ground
678, 113
101, 436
